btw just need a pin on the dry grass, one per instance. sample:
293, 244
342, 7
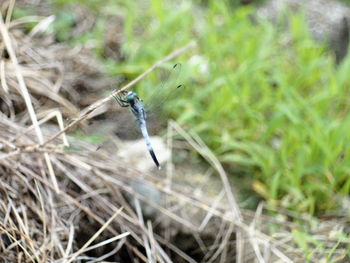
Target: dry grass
81, 206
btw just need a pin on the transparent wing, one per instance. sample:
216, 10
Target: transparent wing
169, 89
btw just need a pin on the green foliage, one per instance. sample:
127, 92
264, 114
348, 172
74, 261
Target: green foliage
22, 12
88, 138
268, 101
64, 21
92, 4
311, 246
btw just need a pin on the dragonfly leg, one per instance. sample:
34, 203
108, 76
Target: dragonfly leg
121, 101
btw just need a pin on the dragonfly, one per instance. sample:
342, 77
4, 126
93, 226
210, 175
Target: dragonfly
131, 100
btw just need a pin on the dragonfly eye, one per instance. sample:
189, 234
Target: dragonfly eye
131, 96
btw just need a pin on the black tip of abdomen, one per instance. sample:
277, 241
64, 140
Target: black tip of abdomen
155, 160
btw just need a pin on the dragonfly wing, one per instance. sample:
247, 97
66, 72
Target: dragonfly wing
166, 90
126, 126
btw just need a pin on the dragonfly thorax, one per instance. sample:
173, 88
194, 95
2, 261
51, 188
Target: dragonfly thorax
131, 96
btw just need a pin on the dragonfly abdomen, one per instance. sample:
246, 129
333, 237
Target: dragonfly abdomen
143, 127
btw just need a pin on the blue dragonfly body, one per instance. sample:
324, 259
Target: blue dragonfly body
132, 100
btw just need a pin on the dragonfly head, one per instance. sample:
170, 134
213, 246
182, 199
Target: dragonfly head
131, 96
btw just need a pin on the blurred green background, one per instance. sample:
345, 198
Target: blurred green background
273, 106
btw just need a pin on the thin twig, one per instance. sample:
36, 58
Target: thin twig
94, 236
207, 154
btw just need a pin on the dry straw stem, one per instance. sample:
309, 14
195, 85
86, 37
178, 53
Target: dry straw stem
81, 250
26, 97
236, 218
210, 157
84, 113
